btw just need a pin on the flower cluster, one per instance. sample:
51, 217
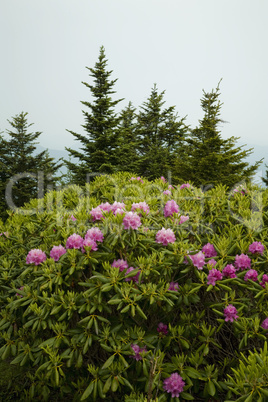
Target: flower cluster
264, 280
165, 236
198, 260
105, 206
95, 234
57, 251
89, 242
212, 262
251, 274
140, 206
118, 207
131, 220
137, 350
183, 218
185, 185
213, 276
35, 256
230, 313
173, 286
121, 264
171, 208
167, 192
96, 214
256, 248
242, 261
137, 178
174, 385
162, 329
74, 241
229, 271
264, 324
209, 250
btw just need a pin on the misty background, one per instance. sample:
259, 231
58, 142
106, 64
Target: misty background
182, 46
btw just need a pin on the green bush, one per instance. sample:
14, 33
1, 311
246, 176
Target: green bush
85, 330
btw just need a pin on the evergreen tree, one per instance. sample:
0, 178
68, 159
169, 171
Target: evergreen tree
265, 179
98, 150
19, 162
159, 134
206, 158
127, 152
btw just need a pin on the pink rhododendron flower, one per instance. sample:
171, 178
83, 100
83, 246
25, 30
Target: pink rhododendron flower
174, 385
171, 208
119, 211
117, 205
167, 192
242, 261
165, 236
185, 185
213, 276
183, 218
209, 250
89, 242
121, 264
198, 260
163, 179
256, 248
35, 256
134, 278
96, 214
264, 324
212, 262
170, 187
137, 350
137, 178
95, 234
173, 286
162, 329
230, 313
74, 241
264, 280
229, 271
251, 274
105, 206
56, 252
142, 206
131, 220
72, 218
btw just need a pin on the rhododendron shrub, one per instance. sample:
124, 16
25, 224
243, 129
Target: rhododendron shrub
135, 305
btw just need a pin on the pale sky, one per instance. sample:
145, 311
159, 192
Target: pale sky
183, 46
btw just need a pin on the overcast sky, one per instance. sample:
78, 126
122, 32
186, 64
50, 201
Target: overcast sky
183, 46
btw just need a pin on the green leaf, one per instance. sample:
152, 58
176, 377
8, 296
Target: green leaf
108, 362
211, 388
186, 396
107, 385
88, 391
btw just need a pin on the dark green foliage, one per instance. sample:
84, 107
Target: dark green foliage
159, 135
127, 145
99, 144
206, 158
24, 174
71, 323
265, 179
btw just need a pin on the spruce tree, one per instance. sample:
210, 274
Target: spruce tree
159, 134
20, 162
98, 149
127, 152
205, 157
